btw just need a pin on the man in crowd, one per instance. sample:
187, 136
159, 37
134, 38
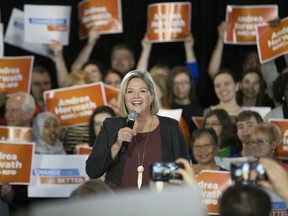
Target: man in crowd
41, 81
246, 120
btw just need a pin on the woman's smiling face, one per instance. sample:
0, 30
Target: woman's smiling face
138, 97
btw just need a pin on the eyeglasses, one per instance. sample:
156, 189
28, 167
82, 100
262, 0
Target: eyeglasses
259, 141
212, 124
202, 147
182, 83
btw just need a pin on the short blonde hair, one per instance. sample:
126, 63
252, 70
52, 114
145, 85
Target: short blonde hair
145, 76
271, 130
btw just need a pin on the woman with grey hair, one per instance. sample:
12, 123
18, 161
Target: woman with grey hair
265, 138
152, 139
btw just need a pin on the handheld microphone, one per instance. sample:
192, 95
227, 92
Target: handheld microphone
130, 123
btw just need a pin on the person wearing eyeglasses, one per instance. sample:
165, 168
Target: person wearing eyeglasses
183, 95
204, 145
265, 137
220, 121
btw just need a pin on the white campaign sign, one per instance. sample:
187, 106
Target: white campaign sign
172, 113
57, 175
14, 35
45, 23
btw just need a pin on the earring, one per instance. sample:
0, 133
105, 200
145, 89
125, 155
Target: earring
283, 98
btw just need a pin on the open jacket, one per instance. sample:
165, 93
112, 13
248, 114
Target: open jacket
172, 141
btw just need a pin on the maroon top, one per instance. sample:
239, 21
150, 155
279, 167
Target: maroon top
153, 153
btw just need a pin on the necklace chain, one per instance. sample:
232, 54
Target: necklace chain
140, 162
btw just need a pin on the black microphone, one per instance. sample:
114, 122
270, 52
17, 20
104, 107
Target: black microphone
130, 123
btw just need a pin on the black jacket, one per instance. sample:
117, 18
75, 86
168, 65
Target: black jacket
100, 161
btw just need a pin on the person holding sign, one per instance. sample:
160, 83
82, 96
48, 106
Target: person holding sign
251, 59
46, 133
41, 81
124, 152
191, 61
94, 70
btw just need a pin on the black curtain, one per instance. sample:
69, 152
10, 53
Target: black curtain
206, 15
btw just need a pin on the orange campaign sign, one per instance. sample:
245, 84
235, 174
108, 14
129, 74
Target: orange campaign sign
212, 184
112, 97
243, 21
16, 162
272, 42
198, 121
105, 15
169, 21
15, 74
84, 150
74, 105
15, 134
282, 149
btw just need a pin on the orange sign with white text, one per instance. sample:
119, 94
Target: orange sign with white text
272, 42
243, 21
112, 97
74, 105
169, 21
16, 162
282, 149
84, 150
15, 74
106, 16
212, 184
15, 134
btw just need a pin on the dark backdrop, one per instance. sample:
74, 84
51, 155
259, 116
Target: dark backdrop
206, 15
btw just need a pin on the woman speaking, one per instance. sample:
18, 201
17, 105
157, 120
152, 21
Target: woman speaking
151, 138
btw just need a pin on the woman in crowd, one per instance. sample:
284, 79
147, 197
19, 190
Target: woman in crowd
251, 59
252, 90
94, 70
160, 81
191, 61
81, 62
113, 78
280, 94
46, 132
95, 123
220, 121
153, 138
265, 138
226, 86
204, 146
183, 95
